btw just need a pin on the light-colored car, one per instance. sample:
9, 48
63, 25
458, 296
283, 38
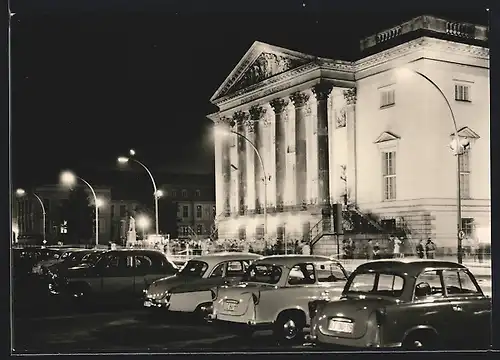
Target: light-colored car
190, 289
275, 294
413, 304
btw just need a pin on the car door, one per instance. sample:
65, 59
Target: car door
150, 267
471, 311
118, 275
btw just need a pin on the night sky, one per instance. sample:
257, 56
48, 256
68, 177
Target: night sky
92, 79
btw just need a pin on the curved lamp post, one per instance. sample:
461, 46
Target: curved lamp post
69, 179
21, 193
458, 147
157, 193
228, 132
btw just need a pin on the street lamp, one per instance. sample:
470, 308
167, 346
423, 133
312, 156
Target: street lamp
458, 146
69, 179
143, 223
20, 193
222, 132
157, 193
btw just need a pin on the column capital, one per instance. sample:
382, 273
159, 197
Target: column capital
278, 105
223, 121
256, 112
240, 117
299, 99
350, 96
322, 90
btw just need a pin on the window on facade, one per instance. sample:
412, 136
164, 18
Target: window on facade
198, 193
174, 193
242, 233
387, 98
389, 174
462, 92
185, 211
199, 211
464, 174
123, 210
468, 226
184, 193
199, 229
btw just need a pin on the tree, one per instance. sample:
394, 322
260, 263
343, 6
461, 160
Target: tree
79, 214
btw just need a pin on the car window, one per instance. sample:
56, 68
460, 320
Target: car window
218, 271
458, 282
119, 261
194, 268
381, 284
263, 273
428, 285
302, 274
143, 263
329, 272
235, 268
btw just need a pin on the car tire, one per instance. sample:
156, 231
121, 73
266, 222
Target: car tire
421, 340
289, 328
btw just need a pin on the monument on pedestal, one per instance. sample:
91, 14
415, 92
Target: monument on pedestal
131, 233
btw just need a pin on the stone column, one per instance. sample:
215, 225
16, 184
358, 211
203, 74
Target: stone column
352, 183
224, 123
279, 105
299, 101
241, 119
256, 114
322, 91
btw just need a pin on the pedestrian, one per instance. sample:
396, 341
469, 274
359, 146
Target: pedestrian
421, 249
306, 249
369, 249
396, 247
430, 249
376, 251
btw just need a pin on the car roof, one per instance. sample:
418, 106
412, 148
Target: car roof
224, 256
291, 260
409, 266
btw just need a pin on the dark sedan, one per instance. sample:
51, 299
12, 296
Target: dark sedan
413, 304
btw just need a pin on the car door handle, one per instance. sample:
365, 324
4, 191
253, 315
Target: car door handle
457, 308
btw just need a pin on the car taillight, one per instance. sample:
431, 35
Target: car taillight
256, 298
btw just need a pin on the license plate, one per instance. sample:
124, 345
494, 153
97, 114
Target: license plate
341, 326
229, 306
148, 303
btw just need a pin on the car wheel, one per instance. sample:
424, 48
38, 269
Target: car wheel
289, 328
421, 341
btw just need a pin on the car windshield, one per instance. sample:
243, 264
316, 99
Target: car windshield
263, 273
91, 258
376, 283
194, 268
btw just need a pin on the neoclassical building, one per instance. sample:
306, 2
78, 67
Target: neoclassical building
375, 131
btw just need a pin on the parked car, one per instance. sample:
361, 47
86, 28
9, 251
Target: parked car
406, 303
275, 293
118, 275
199, 274
57, 256
196, 295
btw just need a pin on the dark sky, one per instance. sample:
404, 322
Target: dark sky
95, 78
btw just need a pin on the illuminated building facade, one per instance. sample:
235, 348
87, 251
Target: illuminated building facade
364, 130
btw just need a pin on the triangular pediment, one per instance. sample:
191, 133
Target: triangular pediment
262, 61
466, 132
386, 136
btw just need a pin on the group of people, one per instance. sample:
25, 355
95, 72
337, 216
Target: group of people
426, 249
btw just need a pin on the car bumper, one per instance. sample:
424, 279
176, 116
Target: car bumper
231, 325
152, 304
346, 344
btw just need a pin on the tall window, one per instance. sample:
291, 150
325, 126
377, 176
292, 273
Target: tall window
174, 193
468, 226
198, 193
389, 174
464, 174
185, 211
387, 98
199, 229
462, 92
199, 212
184, 193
